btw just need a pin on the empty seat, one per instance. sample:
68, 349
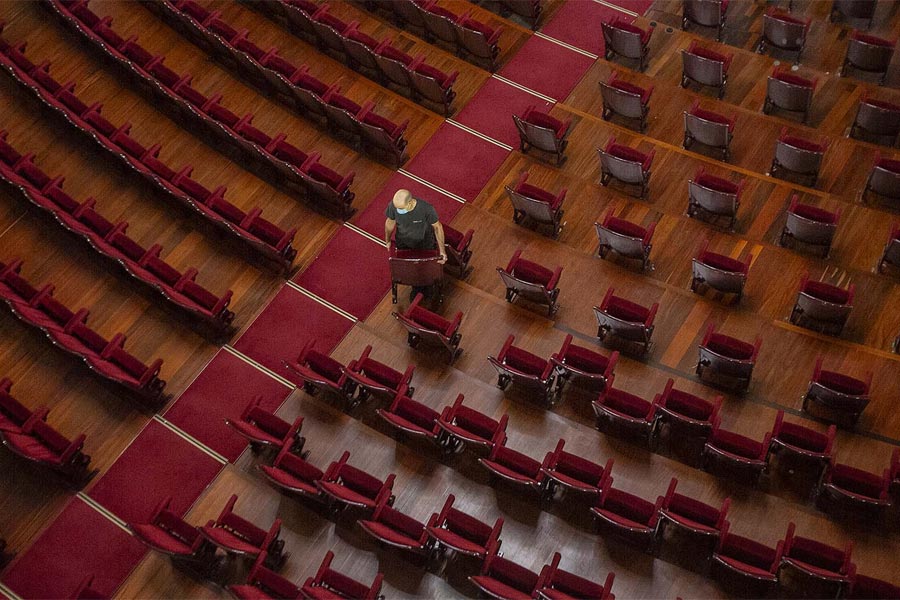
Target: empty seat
394, 528
809, 225
709, 128
440, 24
726, 361
821, 306
626, 414
818, 569
416, 268
845, 486
235, 535
294, 474
329, 30
461, 426
790, 92
571, 472
891, 254
431, 84
318, 371
719, 272
515, 468
380, 134
583, 366
530, 281
557, 584
265, 429
478, 41
536, 204
14, 414
395, 63
623, 38
463, 533
884, 179
733, 454
408, 13
839, 398
308, 92
799, 443
166, 532
262, 584
868, 53
347, 486
698, 519
43, 445
457, 243
359, 48
369, 377
542, 131
625, 320
518, 366
342, 114
704, 66
628, 516
742, 563
625, 99
529, 10
411, 417
799, 156
625, 164
686, 416
706, 13
624, 238
853, 9
505, 580
328, 583
783, 31
876, 120
423, 325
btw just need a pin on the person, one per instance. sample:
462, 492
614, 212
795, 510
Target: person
417, 227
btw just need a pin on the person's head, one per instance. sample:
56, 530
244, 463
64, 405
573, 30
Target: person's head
403, 201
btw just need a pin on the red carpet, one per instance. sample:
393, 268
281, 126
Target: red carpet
490, 110
223, 390
636, 6
372, 218
286, 324
80, 542
351, 272
578, 24
457, 161
158, 464
547, 67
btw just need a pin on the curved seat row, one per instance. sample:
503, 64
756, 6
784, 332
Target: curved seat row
263, 236
288, 83
273, 158
112, 241
69, 331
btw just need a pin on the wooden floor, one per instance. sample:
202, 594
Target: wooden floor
81, 403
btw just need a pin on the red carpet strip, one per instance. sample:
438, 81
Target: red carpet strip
490, 110
578, 24
350, 272
286, 324
222, 390
371, 219
157, 465
547, 68
636, 6
79, 543
458, 161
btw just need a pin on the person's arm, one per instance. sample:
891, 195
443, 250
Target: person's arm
389, 225
439, 236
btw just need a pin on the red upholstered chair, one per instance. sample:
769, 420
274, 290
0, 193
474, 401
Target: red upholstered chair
264, 584
405, 415
868, 53
381, 136
625, 99
783, 31
439, 24
733, 454
463, 533
345, 485
877, 121
308, 93
891, 254
844, 486
628, 516
505, 580
395, 63
329, 30
625, 164
461, 425
521, 367
789, 92
853, 9
14, 414
624, 238
263, 429
557, 584
293, 474
815, 568
800, 443
624, 413
710, 128
800, 156
408, 13
166, 532
726, 361
424, 325
431, 84
743, 564
863, 587
884, 179
328, 583
821, 306
697, 519
537, 205
809, 225
368, 377
685, 415
318, 371
396, 529
417, 268
457, 243
583, 366
719, 272
625, 320
546, 133
237, 536
518, 469
342, 114
626, 39
567, 471
531, 281
43, 445
706, 13
359, 48
704, 66
478, 41
838, 397
712, 198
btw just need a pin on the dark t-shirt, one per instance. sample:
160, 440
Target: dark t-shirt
414, 229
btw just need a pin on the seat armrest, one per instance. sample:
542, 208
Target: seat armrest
117, 340
152, 371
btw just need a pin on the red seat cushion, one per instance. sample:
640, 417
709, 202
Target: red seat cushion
802, 437
871, 39
815, 213
525, 361
709, 54
544, 120
31, 447
291, 481
382, 374
749, 552
730, 347
827, 292
627, 404
792, 79
802, 144
627, 153
625, 227
160, 539
430, 320
627, 87
722, 262
585, 359
627, 310
531, 272
693, 510
498, 589
455, 540
346, 494
689, 405
709, 115
717, 183
857, 481
389, 534
324, 365
737, 444
883, 104
635, 509
843, 383
531, 191
817, 554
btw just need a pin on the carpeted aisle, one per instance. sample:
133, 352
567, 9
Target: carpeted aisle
579, 24
547, 67
635, 6
490, 111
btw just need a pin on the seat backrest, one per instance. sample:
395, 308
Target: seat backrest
421, 270
514, 575
704, 12
540, 137
869, 53
623, 169
622, 102
703, 69
268, 422
623, 39
784, 31
707, 131
788, 92
468, 526
359, 481
243, 528
718, 201
880, 118
476, 422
